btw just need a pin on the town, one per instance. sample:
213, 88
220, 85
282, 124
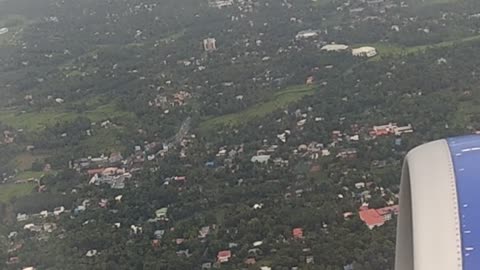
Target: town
222, 134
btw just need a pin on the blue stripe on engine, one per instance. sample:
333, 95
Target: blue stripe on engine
465, 153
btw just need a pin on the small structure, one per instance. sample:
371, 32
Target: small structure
364, 51
161, 213
209, 44
58, 210
91, 253
3, 30
297, 233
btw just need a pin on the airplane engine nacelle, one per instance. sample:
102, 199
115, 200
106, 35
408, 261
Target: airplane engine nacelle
439, 220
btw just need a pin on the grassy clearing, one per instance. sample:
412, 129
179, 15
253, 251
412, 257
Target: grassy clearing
386, 49
8, 191
39, 120
25, 160
280, 100
15, 25
26, 175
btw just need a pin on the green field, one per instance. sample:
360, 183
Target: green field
279, 100
39, 120
15, 24
8, 191
26, 175
386, 49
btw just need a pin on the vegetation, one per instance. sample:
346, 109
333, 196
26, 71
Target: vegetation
10, 191
134, 77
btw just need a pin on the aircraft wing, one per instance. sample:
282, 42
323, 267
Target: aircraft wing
439, 220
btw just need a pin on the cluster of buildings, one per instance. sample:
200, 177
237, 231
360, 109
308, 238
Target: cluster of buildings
391, 129
179, 98
112, 176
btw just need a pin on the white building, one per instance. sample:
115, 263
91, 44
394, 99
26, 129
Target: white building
307, 34
334, 47
364, 51
3, 30
209, 44
220, 3
260, 159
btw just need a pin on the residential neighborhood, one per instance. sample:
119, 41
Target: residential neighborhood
222, 134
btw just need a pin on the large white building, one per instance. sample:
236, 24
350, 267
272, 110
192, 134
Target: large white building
3, 30
307, 34
220, 3
334, 47
364, 51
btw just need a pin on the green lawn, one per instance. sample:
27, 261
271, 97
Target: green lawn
25, 175
386, 49
8, 191
280, 100
39, 120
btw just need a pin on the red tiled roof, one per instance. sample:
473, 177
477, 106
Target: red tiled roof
375, 217
371, 217
297, 232
224, 254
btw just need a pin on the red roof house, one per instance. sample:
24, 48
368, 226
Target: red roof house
377, 217
297, 233
224, 256
92, 172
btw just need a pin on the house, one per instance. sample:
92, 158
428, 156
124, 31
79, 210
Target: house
257, 243
377, 217
161, 213
21, 217
224, 256
180, 179
209, 44
32, 227
203, 232
206, 266
29, 268
58, 210
360, 185
91, 253
297, 233
309, 80
250, 261
364, 51
263, 159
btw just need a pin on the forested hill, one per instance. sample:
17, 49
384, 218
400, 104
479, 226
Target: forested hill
243, 134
